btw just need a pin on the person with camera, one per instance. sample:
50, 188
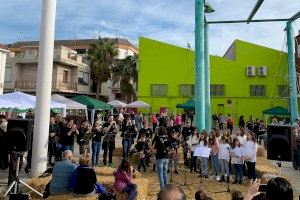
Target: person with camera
128, 135
54, 133
123, 180
67, 135
162, 146
110, 129
97, 133
83, 137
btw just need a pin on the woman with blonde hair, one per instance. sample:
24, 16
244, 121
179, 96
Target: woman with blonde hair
84, 181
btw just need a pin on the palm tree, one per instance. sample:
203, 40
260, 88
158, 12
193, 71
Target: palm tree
126, 72
101, 55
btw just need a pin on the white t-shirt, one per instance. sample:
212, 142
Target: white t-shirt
250, 150
237, 155
193, 142
224, 151
242, 139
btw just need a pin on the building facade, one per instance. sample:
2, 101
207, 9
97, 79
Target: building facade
3, 55
71, 71
247, 80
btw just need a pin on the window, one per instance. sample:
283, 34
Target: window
81, 51
8, 73
217, 90
283, 91
83, 78
65, 76
187, 90
159, 90
118, 95
258, 90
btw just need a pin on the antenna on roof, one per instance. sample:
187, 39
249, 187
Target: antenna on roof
21, 36
117, 31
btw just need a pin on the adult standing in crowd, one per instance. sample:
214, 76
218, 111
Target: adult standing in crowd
128, 135
178, 121
186, 132
221, 121
154, 121
97, 134
242, 121
54, 133
110, 130
67, 135
83, 138
120, 118
229, 123
162, 146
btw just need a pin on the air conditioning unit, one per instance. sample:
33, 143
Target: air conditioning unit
250, 71
262, 71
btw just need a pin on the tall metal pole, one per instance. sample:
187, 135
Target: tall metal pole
292, 71
43, 90
199, 65
207, 80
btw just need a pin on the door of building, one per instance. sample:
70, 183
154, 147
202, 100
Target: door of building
221, 108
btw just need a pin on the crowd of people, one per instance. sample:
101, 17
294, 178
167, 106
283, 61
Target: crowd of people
159, 145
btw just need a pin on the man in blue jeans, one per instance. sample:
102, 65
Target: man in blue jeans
162, 145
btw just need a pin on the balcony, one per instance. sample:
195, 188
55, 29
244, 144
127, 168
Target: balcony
57, 86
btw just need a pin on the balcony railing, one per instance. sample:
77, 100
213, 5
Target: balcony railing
56, 85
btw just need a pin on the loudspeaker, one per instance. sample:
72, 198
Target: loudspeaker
19, 134
19, 196
279, 146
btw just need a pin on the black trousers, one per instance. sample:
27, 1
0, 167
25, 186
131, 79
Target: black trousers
108, 147
13, 166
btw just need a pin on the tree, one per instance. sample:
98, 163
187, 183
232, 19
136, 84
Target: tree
101, 55
125, 71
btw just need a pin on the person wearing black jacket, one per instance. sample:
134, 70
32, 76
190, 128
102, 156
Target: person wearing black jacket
143, 149
54, 133
84, 180
67, 135
162, 146
128, 135
83, 137
186, 132
110, 129
149, 134
97, 133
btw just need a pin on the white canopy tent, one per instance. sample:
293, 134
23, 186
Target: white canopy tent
8, 104
70, 104
138, 104
27, 101
118, 104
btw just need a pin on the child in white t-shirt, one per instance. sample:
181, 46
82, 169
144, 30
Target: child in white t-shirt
237, 159
224, 155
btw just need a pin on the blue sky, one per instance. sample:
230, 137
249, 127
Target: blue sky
164, 20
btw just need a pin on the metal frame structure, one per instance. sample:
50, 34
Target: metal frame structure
202, 69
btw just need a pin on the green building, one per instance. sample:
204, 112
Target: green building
247, 80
